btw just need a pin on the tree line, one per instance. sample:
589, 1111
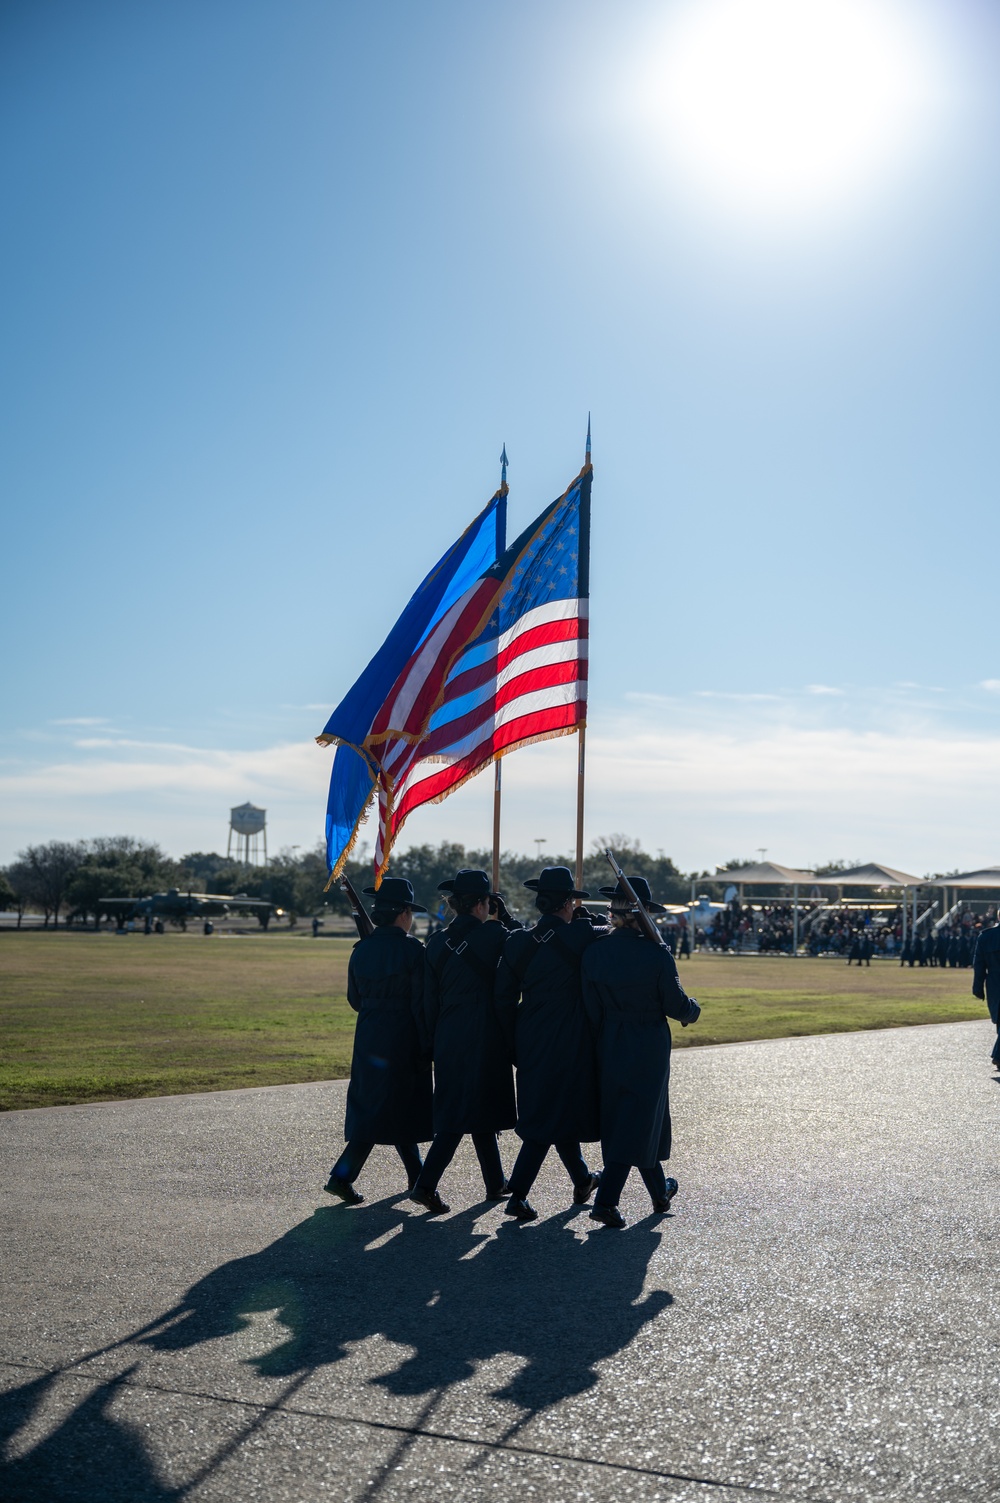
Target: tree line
69, 878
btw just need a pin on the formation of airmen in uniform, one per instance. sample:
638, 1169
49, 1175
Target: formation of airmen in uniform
986, 980
952, 945
578, 1008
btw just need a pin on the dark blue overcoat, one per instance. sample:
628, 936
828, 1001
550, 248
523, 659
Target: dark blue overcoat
389, 1097
473, 1070
986, 972
554, 1040
630, 989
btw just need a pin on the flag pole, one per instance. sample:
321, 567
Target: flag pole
582, 739
496, 824
581, 766
498, 763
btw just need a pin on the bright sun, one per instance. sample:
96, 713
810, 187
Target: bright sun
786, 103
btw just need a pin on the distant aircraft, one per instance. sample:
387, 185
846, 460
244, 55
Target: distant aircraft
178, 907
703, 912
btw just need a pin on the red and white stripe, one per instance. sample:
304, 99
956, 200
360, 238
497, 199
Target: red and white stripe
412, 697
532, 687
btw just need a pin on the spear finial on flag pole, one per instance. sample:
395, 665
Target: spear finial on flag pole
498, 764
588, 439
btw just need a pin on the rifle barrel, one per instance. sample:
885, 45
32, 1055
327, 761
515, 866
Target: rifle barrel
362, 918
646, 924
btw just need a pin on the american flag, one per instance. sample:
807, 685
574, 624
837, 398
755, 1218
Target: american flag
507, 666
402, 669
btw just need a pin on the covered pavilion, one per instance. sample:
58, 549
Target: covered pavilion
987, 878
875, 874
767, 874
969, 881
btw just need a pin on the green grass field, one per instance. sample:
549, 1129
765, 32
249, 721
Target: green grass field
99, 1017
102, 1016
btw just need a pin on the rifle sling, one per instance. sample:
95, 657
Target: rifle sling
479, 967
542, 936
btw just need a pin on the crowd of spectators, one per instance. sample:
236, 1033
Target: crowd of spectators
737, 927
860, 934
856, 934
768, 927
952, 945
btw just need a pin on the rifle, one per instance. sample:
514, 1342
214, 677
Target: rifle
646, 924
360, 913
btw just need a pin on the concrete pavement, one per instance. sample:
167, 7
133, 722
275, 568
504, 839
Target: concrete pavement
186, 1316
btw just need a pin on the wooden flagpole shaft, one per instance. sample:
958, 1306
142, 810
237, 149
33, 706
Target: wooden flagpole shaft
579, 806
584, 589
501, 544
496, 826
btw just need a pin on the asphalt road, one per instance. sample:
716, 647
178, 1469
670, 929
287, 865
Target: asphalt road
186, 1316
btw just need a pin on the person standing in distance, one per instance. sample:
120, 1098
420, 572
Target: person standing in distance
986, 980
473, 1071
630, 989
389, 1097
541, 1002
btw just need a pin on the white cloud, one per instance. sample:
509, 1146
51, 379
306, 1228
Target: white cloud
92, 743
737, 698
81, 720
822, 689
178, 795
700, 785
991, 684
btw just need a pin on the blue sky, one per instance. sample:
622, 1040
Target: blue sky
280, 280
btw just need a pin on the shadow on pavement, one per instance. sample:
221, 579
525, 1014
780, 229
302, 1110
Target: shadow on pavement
452, 1295
91, 1455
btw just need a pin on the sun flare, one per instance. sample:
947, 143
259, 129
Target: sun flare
785, 103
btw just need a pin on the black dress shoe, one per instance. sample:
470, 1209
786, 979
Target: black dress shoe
500, 1193
344, 1190
430, 1200
520, 1210
662, 1203
582, 1193
609, 1215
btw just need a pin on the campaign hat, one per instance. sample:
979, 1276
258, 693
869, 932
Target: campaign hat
642, 892
395, 892
556, 880
469, 882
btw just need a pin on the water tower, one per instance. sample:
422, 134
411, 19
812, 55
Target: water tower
247, 822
